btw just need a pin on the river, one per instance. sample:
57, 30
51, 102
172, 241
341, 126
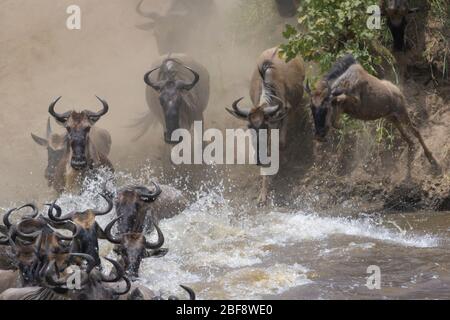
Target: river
226, 252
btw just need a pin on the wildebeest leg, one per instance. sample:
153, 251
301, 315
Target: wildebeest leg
410, 143
427, 151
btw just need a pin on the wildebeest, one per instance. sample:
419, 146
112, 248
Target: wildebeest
276, 88
350, 89
396, 12
86, 240
133, 204
82, 153
177, 95
287, 8
184, 21
139, 206
54, 285
35, 243
56, 145
133, 247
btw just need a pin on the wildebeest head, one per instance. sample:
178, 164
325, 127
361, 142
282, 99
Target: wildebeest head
287, 8
259, 118
89, 231
55, 144
78, 125
132, 204
93, 284
322, 112
34, 242
171, 94
396, 12
133, 247
167, 29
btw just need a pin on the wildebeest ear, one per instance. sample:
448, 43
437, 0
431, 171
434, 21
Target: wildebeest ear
156, 253
40, 141
94, 119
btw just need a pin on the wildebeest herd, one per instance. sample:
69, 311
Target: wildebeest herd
56, 255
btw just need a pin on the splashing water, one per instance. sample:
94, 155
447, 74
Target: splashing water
224, 254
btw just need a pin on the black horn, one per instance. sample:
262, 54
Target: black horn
95, 116
159, 243
188, 86
189, 291
242, 114
108, 233
148, 196
8, 223
108, 209
58, 209
59, 117
158, 85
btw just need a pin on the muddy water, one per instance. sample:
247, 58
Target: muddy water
226, 252
222, 251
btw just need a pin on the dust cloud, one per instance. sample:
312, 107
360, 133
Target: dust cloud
41, 59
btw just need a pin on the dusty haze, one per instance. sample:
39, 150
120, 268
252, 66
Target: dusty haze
41, 59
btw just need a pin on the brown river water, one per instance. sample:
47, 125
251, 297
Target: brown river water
224, 252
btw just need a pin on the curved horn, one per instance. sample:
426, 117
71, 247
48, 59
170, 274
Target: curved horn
158, 244
119, 274
58, 209
127, 288
243, 114
152, 15
189, 291
185, 86
150, 196
156, 86
69, 225
59, 117
95, 116
108, 233
108, 209
8, 223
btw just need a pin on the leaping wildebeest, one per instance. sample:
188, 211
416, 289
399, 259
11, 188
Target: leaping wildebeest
55, 144
276, 88
177, 94
86, 240
81, 154
349, 89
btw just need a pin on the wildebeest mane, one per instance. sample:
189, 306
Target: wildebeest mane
269, 88
339, 67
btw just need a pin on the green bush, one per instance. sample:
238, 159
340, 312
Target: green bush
332, 28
